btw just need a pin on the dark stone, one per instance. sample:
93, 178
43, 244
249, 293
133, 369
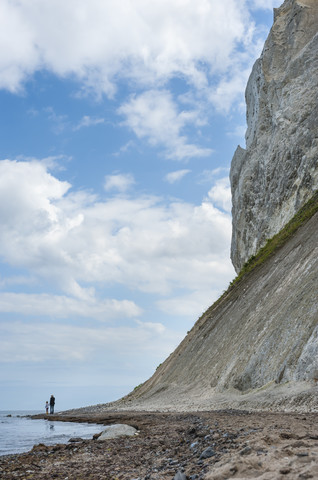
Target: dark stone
284, 471
75, 439
207, 453
246, 451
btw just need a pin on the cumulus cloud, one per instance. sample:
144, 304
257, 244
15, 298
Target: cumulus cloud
120, 182
229, 90
96, 41
220, 194
173, 177
153, 115
75, 241
207, 45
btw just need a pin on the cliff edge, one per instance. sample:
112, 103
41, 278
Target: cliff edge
278, 171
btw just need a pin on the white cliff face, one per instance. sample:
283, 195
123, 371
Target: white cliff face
278, 171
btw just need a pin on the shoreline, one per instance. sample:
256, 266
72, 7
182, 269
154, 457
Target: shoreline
211, 445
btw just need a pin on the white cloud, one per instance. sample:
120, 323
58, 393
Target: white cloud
88, 121
120, 182
190, 305
229, 90
239, 131
34, 190
60, 306
220, 194
173, 177
153, 115
207, 44
209, 176
155, 327
40, 342
75, 241
99, 42
7, 281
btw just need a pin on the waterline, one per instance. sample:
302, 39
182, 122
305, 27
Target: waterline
19, 433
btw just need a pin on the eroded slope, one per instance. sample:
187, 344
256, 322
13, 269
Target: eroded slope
257, 348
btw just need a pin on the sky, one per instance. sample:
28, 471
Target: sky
118, 123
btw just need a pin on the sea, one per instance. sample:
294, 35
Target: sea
19, 433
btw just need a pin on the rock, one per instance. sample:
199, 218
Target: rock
193, 430
75, 439
245, 451
180, 476
207, 453
117, 430
285, 471
40, 447
278, 171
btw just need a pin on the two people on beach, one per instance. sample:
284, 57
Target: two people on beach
52, 403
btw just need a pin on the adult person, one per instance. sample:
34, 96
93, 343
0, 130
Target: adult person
52, 403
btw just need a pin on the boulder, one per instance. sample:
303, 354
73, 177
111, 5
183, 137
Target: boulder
117, 430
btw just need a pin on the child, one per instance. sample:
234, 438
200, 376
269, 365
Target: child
47, 407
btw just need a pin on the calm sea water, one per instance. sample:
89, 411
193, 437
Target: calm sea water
18, 434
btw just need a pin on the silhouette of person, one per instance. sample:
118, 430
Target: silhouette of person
52, 403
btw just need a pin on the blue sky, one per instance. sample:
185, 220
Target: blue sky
118, 124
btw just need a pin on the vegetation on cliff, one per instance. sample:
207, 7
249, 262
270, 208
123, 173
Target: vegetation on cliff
278, 240
274, 243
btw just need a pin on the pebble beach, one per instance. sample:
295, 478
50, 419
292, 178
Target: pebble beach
215, 445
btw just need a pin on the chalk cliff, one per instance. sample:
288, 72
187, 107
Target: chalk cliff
278, 171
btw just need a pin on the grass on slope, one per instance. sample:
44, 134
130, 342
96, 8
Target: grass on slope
278, 240
274, 243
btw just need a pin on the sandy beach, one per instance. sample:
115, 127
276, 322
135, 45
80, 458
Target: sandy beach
214, 445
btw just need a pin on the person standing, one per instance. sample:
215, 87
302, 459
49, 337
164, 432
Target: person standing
52, 403
47, 407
